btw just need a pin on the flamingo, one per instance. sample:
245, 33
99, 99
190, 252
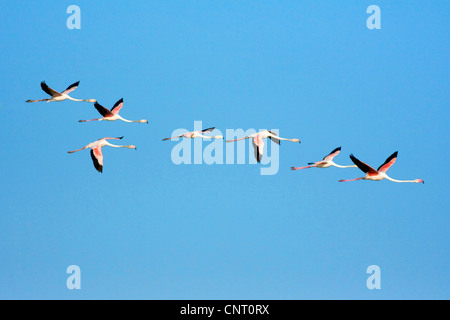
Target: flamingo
96, 150
60, 96
380, 174
258, 143
196, 134
113, 114
326, 162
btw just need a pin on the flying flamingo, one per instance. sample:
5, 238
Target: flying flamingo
326, 162
196, 134
60, 96
258, 143
113, 114
380, 174
96, 151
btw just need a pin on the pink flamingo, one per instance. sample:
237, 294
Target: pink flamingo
96, 150
326, 162
258, 143
113, 114
196, 134
60, 96
380, 174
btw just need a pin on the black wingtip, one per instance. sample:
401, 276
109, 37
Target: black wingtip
120, 137
209, 129
97, 165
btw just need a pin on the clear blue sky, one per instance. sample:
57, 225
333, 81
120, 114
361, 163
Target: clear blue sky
149, 229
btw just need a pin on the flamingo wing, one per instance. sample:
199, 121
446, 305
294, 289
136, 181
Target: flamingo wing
117, 107
258, 145
49, 90
71, 88
208, 130
102, 110
277, 141
333, 154
388, 163
97, 158
108, 138
364, 167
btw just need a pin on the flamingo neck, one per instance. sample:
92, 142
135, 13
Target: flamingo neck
78, 100
400, 181
126, 120
114, 146
339, 166
208, 137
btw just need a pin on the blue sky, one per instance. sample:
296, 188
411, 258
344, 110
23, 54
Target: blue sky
149, 229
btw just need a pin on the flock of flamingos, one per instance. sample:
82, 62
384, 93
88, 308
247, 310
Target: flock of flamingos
257, 139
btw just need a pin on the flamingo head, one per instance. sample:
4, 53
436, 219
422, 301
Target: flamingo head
143, 121
92, 100
219, 137
132, 147
419, 181
296, 140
